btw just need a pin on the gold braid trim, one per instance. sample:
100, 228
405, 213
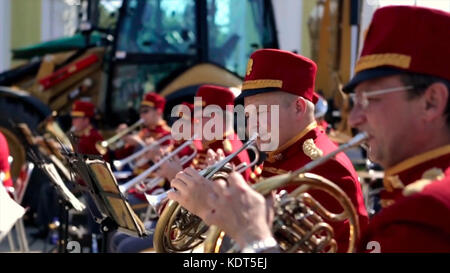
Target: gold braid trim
255, 84
377, 60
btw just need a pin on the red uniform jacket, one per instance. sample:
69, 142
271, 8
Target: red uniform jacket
229, 145
416, 213
186, 151
4, 163
302, 149
159, 131
87, 140
86, 144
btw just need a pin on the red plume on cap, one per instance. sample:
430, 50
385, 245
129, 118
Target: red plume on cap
83, 109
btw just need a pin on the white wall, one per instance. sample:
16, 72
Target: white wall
59, 19
5, 37
288, 18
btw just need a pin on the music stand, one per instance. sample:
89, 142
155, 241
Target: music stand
117, 212
44, 157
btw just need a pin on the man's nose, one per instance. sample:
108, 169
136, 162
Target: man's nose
357, 117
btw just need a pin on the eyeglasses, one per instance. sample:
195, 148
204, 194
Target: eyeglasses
361, 100
144, 110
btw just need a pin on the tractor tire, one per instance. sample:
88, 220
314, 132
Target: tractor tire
13, 112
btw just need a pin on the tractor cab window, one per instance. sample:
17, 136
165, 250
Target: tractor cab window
236, 28
108, 13
158, 26
157, 40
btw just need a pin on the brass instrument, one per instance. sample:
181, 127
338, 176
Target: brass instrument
124, 188
150, 183
115, 141
299, 224
133, 160
177, 229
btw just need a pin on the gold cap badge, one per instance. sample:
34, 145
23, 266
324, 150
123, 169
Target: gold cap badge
249, 66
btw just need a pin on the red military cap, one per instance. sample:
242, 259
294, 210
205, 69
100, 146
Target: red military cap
83, 109
154, 100
271, 70
215, 95
404, 39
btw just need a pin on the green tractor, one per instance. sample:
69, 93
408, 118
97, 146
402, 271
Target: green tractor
125, 48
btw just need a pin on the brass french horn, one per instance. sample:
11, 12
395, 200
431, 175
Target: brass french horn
300, 222
177, 229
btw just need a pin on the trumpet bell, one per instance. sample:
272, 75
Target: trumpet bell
158, 201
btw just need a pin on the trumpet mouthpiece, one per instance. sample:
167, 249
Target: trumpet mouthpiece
358, 138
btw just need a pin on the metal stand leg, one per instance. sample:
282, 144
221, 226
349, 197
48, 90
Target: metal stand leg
149, 213
12, 246
21, 236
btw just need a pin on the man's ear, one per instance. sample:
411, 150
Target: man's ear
436, 98
300, 106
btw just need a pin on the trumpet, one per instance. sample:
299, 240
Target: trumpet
148, 184
128, 185
115, 142
299, 224
157, 200
174, 219
119, 164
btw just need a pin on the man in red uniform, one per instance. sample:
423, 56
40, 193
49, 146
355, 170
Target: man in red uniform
155, 127
401, 99
82, 128
87, 136
228, 143
284, 79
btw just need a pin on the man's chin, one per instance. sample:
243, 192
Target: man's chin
374, 156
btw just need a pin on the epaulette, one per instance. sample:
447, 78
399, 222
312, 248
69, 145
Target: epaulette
429, 176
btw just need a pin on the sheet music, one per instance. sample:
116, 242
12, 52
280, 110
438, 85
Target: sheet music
51, 171
10, 212
120, 209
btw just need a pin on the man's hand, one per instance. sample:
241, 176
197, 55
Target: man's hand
214, 157
122, 127
133, 140
155, 153
231, 205
240, 211
170, 168
192, 193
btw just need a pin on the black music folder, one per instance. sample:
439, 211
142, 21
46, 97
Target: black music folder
108, 198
